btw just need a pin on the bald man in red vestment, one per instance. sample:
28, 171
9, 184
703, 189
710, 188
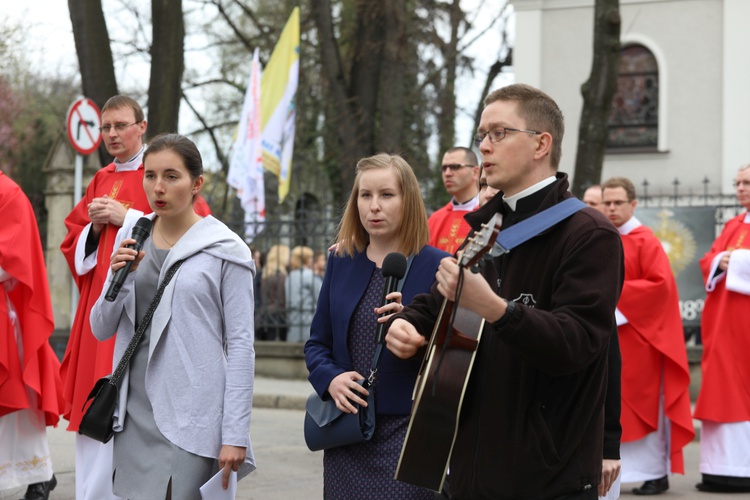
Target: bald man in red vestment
655, 412
460, 171
723, 404
30, 385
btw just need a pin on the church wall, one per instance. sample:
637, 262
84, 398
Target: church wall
687, 36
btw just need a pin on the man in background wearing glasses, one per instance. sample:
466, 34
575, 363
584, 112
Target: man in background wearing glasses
655, 411
460, 171
532, 420
115, 194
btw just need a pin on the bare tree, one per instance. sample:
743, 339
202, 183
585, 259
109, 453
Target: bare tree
166, 50
396, 57
374, 76
32, 115
353, 93
94, 54
597, 92
447, 94
167, 66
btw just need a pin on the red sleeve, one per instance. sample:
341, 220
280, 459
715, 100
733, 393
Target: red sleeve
22, 257
201, 206
719, 245
77, 219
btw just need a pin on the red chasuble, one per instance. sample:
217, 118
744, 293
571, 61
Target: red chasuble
725, 330
22, 257
86, 359
652, 340
448, 228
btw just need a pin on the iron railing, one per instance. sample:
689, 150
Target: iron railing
319, 234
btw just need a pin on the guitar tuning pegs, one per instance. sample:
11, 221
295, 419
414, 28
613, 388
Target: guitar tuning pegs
477, 267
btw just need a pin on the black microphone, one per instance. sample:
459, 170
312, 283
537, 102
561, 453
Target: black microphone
394, 268
141, 230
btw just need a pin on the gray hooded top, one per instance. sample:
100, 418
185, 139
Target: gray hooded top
201, 359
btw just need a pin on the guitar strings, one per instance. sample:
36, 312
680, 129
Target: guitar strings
449, 333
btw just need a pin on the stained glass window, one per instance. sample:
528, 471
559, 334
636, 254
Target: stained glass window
634, 117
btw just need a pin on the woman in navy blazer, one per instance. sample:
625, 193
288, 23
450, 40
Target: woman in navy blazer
385, 213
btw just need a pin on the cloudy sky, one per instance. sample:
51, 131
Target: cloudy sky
49, 45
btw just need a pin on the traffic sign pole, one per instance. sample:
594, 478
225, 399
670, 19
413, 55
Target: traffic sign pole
83, 122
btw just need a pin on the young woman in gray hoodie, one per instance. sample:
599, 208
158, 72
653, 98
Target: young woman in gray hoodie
186, 397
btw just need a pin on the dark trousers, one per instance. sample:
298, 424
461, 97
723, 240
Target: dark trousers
590, 494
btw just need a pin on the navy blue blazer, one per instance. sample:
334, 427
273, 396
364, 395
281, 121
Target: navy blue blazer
326, 351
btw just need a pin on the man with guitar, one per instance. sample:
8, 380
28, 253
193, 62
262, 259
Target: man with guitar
532, 409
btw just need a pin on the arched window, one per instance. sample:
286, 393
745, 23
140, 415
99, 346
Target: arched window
634, 117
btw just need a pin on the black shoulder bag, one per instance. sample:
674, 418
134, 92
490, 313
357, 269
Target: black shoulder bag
328, 427
99, 417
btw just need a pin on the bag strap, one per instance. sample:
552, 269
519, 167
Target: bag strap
141, 329
379, 347
401, 282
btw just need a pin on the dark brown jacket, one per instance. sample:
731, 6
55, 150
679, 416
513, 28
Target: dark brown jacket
533, 415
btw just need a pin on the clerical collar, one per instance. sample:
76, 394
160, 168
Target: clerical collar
131, 164
469, 206
631, 224
747, 217
511, 201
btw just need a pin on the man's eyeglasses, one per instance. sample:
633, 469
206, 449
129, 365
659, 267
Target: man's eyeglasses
615, 203
454, 167
119, 127
496, 134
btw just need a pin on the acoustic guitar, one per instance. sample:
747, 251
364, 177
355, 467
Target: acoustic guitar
443, 376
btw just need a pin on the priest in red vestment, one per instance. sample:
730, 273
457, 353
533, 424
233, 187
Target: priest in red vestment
460, 170
655, 413
115, 195
723, 404
30, 385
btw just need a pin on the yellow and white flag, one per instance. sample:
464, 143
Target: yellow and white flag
246, 163
278, 108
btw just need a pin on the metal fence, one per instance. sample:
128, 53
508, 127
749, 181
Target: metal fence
725, 204
319, 234
725, 208
275, 318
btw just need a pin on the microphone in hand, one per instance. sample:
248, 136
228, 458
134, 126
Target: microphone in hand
394, 268
141, 231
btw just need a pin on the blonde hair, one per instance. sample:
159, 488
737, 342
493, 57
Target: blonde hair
413, 232
300, 256
277, 260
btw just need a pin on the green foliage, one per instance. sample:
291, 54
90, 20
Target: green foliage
32, 117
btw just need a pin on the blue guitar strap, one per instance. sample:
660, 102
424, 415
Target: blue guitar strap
519, 233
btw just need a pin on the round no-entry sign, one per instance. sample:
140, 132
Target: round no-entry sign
83, 121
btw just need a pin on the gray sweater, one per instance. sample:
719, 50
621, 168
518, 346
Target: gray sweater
201, 364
